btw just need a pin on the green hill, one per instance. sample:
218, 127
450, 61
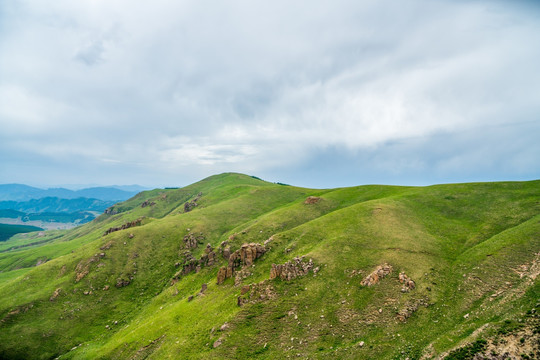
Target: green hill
7, 231
381, 272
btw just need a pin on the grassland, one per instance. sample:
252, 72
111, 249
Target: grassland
472, 250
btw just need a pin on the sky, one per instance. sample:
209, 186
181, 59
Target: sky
310, 93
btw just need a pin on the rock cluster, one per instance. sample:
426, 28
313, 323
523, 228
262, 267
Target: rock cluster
410, 308
190, 264
255, 293
209, 256
122, 282
408, 283
190, 205
124, 226
292, 269
83, 267
147, 203
312, 200
191, 241
380, 272
245, 256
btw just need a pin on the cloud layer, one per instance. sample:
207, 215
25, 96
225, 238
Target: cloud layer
346, 91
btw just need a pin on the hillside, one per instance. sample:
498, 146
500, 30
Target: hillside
383, 272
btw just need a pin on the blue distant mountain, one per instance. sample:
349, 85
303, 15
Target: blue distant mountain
20, 192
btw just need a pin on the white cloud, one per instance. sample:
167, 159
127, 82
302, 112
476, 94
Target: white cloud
253, 86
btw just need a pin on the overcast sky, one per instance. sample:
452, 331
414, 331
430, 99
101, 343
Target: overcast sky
312, 93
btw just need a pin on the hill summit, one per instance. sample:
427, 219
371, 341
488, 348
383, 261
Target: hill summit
236, 267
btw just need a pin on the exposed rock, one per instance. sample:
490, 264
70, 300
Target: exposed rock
55, 294
147, 203
224, 327
107, 246
83, 267
122, 282
291, 269
190, 298
269, 240
190, 205
221, 275
131, 235
124, 226
41, 261
209, 256
106, 287
227, 252
256, 293
241, 275
410, 308
377, 275
191, 241
408, 283
312, 200
245, 256
217, 343
203, 289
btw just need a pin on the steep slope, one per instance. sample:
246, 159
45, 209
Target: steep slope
140, 282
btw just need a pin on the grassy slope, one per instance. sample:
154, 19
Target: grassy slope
458, 242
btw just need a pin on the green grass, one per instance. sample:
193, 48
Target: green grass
461, 244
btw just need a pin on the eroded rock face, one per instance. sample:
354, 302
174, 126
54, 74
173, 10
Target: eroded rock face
291, 269
245, 256
377, 275
408, 283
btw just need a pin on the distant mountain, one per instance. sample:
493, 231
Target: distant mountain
19, 192
55, 204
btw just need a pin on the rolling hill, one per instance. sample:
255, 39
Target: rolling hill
235, 267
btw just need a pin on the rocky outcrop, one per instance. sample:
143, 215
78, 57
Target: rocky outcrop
188, 265
377, 275
190, 205
122, 282
209, 256
292, 269
310, 200
124, 226
409, 308
408, 283
147, 203
245, 256
191, 241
